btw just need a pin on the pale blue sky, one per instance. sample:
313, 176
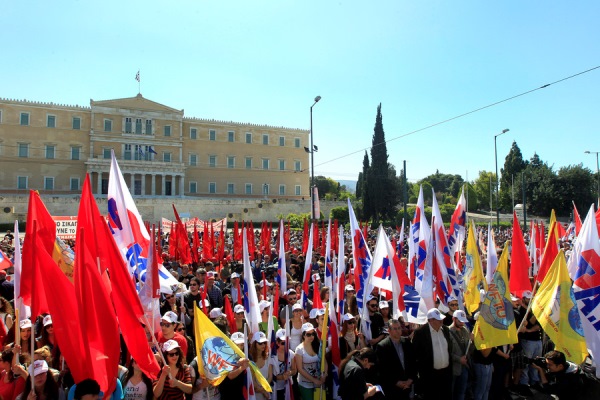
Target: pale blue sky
265, 61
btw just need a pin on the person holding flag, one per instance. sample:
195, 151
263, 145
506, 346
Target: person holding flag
282, 366
259, 354
307, 363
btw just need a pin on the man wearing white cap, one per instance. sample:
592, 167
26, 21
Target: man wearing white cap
433, 349
452, 307
460, 336
233, 386
265, 306
167, 331
234, 289
291, 297
213, 293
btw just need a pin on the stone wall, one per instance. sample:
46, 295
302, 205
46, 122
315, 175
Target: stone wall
154, 208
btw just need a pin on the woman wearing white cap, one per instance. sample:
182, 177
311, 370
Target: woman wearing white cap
178, 374
47, 336
45, 387
239, 315
384, 310
282, 367
307, 363
350, 338
259, 353
296, 323
25, 333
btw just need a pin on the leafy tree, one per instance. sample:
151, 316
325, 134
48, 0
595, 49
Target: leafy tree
327, 186
541, 187
576, 184
471, 197
445, 183
427, 193
484, 185
362, 188
513, 166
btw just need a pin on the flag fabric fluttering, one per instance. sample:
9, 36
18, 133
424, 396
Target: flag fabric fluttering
249, 290
457, 229
362, 260
129, 231
496, 323
307, 271
473, 273
586, 284
137, 76
492, 256
550, 252
281, 276
447, 282
24, 311
555, 308
519, 261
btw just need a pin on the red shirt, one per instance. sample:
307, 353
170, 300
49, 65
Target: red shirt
178, 338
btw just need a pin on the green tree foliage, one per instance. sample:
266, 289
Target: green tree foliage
341, 214
484, 185
378, 181
445, 183
327, 186
471, 197
576, 184
541, 187
427, 193
513, 166
362, 188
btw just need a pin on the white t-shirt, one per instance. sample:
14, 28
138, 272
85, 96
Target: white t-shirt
310, 364
132, 391
209, 393
279, 367
295, 336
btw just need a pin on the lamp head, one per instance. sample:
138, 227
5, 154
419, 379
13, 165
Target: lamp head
317, 99
505, 130
306, 149
587, 152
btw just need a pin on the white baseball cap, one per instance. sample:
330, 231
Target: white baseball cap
259, 337
170, 345
527, 294
39, 367
281, 334
238, 308
215, 313
347, 317
296, 306
263, 304
25, 323
307, 327
384, 304
47, 320
238, 338
235, 275
461, 316
316, 277
170, 317
350, 288
315, 312
434, 313
262, 283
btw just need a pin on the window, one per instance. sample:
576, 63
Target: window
74, 184
193, 133
266, 140
50, 150
297, 166
127, 152
230, 188
24, 119
298, 190
138, 126
107, 125
282, 190
48, 183
21, 182
231, 136
75, 152
51, 121
212, 187
193, 187
106, 153
282, 140
265, 163
23, 149
139, 152
248, 162
248, 137
166, 157
193, 160
76, 123
128, 125
248, 189
149, 127
297, 142
212, 135
282, 165
230, 162
167, 130
212, 161
266, 188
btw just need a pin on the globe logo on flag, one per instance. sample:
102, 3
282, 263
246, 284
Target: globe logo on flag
217, 357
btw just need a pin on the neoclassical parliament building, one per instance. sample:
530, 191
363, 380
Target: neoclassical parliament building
50, 147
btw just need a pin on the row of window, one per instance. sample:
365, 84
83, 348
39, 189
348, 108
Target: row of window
248, 189
140, 126
23, 183
248, 162
50, 151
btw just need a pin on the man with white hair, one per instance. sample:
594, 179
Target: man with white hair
461, 353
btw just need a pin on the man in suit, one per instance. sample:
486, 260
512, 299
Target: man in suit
433, 348
397, 365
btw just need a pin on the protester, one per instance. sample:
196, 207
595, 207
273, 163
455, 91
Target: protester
259, 354
307, 363
175, 380
397, 366
136, 384
283, 366
462, 349
11, 384
44, 385
353, 382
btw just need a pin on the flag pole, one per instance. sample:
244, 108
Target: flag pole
32, 337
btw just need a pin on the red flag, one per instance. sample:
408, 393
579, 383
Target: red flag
276, 300
550, 253
65, 315
173, 242
287, 232
221, 247
317, 303
228, 311
41, 225
206, 242
195, 244
183, 243
598, 220
520, 263
577, 219
264, 286
305, 237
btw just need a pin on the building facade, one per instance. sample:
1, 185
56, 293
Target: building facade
161, 152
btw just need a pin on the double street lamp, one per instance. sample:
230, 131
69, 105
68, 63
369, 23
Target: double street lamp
312, 150
597, 173
496, 153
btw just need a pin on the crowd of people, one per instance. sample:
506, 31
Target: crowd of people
396, 359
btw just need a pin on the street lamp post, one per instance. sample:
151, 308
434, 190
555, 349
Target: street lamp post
597, 173
312, 163
496, 156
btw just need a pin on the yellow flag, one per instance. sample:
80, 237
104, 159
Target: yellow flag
555, 308
496, 324
64, 257
555, 231
217, 355
473, 274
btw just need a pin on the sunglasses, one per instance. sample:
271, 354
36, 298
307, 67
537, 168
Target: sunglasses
173, 354
280, 341
193, 284
351, 322
309, 334
373, 305
180, 329
292, 299
168, 297
166, 325
261, 343
452, 305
